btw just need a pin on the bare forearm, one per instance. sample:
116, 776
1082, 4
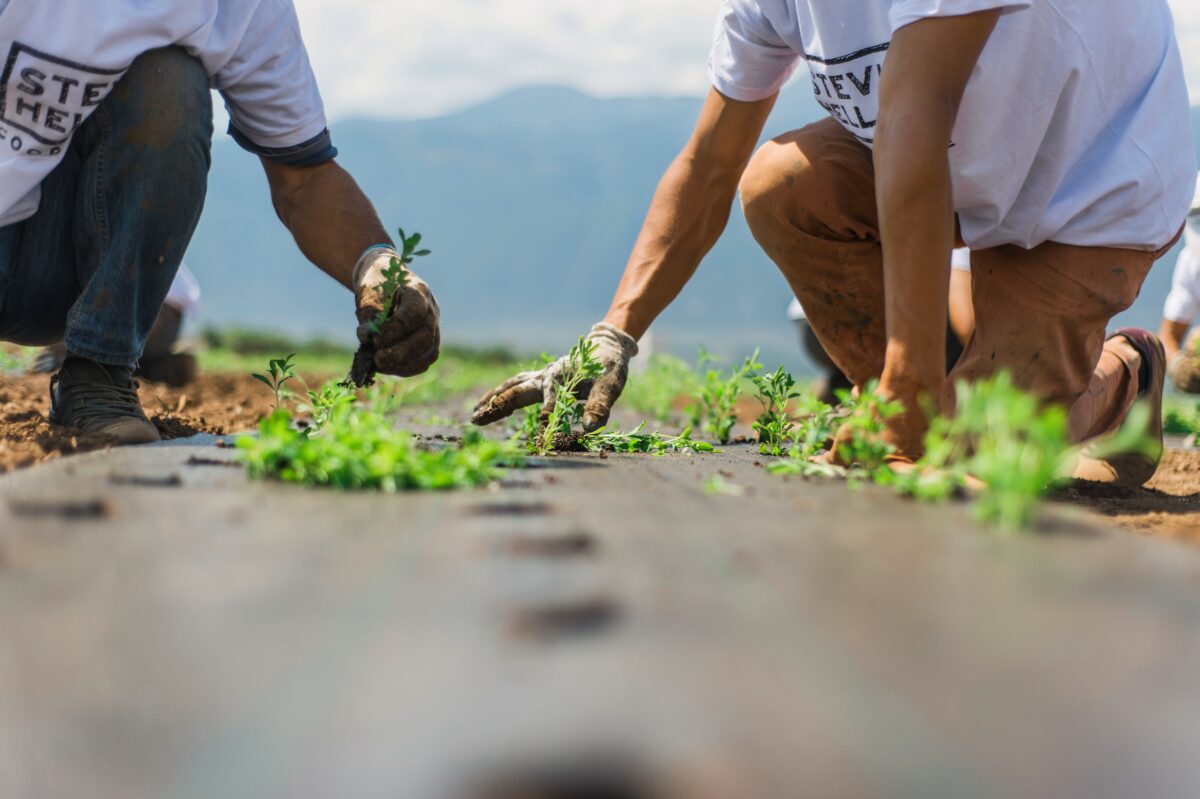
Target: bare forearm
686, 218
916, 217
689, 210
1173, 335
929, 65
330, 218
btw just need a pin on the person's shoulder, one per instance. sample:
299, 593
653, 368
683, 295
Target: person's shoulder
777, 12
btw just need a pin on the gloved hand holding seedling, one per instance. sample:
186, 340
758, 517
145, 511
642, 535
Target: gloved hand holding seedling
609, 347
398, 330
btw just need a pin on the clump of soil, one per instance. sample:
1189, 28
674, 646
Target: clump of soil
214, 403
1169, 505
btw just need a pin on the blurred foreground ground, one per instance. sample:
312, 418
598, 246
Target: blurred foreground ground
588, 627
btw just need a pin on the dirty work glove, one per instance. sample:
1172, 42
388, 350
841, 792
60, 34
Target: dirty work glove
406, 344
614, 349
1184, 369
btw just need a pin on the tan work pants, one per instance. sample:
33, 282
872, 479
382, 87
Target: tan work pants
809, 198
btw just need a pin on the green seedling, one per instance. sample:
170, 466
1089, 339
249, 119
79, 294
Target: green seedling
774, 426
716, 406
719, 486
323, 404
395, 277
567, 411
1180, 418
860, 439
359, 449
604, 440
1017, 448
16, 360
280, 372
656, 390
809, 437
1005, 438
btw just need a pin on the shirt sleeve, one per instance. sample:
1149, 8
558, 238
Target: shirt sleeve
906, 12
1183, 303
749, 61
960, 259
275, 106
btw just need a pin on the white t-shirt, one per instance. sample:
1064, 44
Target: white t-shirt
184, 295
1183, 303
1074, 127
61, 58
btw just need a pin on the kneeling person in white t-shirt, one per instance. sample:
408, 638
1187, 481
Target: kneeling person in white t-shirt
990, 122
960, 322
105, 138
1183, 307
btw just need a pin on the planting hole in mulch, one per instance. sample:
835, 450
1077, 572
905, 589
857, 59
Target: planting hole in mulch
598, 777
556, 621
511, 509
71, 511
565, 545
196, 460
144, 481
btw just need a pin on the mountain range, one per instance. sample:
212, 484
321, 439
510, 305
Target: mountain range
530, 203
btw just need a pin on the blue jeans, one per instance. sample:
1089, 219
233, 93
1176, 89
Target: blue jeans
94, 264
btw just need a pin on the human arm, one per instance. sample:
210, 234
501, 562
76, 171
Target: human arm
687, 215
334, 224
924, 79
1173, 335
689, 211
327, 214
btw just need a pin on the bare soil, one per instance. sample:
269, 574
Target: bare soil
215, 403
1168, 506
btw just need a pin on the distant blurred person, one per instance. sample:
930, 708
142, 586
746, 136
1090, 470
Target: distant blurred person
160, 363
1182, 307
961, 326
106, 124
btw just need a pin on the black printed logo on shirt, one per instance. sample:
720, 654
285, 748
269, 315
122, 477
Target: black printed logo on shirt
847, 86
44, 99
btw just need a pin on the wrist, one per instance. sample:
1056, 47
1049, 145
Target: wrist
627, 342
367, 260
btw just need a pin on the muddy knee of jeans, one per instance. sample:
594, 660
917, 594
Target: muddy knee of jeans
163, 101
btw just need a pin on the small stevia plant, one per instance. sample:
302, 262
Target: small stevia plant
362, 371
351, 443
774, 425
716, 407
280, 371
566, 412
637, 440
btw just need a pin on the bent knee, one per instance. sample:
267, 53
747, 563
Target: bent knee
811, 180
766, 181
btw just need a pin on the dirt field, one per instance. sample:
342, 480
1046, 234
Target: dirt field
219, 403
225, 403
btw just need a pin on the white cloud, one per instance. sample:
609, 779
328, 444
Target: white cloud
389, 58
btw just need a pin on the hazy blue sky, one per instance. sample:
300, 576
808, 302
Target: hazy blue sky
408, 58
